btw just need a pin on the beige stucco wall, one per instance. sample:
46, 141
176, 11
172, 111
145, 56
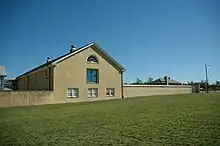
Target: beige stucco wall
71, 73
36, 80
25, 98
147, 90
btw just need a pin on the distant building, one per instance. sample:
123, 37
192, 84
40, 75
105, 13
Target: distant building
6, 84
2, 77
9, 84
166, 81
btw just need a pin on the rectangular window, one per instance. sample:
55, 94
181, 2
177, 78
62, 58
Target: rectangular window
73, 92
92, 75
93, 92
110, 92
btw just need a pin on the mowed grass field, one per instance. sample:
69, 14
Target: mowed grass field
192, 119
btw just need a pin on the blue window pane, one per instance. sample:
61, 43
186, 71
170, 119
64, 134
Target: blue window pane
92, 75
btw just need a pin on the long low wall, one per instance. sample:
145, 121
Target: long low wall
23, 98
147, 90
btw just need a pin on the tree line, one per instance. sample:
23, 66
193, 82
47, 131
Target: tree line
141, 82
212, 86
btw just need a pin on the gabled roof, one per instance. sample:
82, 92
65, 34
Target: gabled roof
163, 81
67, 55
169, 81
84, 48
2, 71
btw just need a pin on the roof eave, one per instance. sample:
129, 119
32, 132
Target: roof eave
54, 63
70, 54
85, 47
112, 59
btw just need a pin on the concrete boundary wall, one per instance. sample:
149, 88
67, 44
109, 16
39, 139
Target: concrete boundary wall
148, 90
25, 98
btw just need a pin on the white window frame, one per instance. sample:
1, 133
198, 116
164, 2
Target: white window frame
110, 92
92, 92
92, 61
73, 92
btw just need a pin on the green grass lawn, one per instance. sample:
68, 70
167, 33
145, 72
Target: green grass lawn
158, 120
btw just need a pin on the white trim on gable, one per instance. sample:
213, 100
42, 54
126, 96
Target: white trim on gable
55, 62
85, 47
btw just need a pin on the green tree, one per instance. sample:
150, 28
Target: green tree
217, 83
190, 82
139, 81
150, 80
202, 84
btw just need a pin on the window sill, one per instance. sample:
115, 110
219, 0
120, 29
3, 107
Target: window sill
72, 97
92, 62
92, 82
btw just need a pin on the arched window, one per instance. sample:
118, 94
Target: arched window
92, 59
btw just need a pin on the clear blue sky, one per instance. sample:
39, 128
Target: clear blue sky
150, 38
